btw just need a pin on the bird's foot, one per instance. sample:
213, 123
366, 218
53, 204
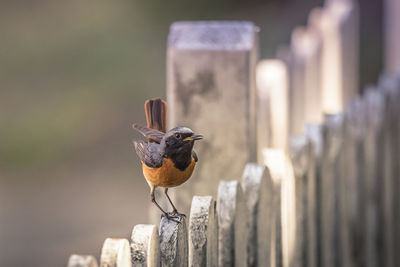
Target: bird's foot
171, 217
176, 213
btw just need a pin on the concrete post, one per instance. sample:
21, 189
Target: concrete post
258, 189
203, 232
232, 223
173, 242
145, 246
82, 261
116, 252
211, 89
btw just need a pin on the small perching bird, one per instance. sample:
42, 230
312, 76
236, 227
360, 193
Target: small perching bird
168, 158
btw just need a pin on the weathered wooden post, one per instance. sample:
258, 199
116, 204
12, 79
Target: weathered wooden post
82, 261
331, 179
173, 242
145, 246
314, 134
116, 252
273, 106
371, 40
391, 16
307, 50
338, 27
203, 232
232, 223
345, 15
353, 226
305, 92
373, 161
322, 21
258, 189
211, 89
390, 89
284, 219
299, 153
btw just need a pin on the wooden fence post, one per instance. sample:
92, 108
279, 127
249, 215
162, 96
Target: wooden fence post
284, 239
314, 134
116, 252
373, 158
232, 223
211, 89
145, 246
305, 92
337, 24
353, 227
331, 179
389, 87
258, 189
173, 242
299, 152
345, 15
203, 232
82, 261
391, 14
273, 107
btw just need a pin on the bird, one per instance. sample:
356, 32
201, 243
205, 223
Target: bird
167, 157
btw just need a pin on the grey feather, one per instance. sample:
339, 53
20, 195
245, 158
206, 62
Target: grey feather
148, 132
149, 153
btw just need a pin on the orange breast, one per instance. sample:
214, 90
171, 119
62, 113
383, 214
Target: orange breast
167, 175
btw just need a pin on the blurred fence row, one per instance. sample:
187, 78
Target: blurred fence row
319, 162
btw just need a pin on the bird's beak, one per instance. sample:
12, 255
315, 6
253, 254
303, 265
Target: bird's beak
193, 137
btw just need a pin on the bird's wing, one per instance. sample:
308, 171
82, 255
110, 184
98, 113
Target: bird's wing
148, 153
149, 133
194, 155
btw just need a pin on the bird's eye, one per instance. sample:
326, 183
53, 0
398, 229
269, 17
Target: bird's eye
178, 136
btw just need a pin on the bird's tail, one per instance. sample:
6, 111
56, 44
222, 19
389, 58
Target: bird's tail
156, 114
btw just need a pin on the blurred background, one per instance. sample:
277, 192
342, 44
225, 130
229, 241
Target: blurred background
73, 78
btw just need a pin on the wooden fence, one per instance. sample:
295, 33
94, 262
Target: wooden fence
297, 168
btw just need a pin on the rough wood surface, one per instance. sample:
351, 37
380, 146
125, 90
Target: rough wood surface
258, 189
173, 242
145, 246
353, 226
232, 223
273, 106
314, 134
284, 234
331, 181
203, 232
115, 253
337, 24
374, 107
299, 153
82, 261
389, 86
211, 89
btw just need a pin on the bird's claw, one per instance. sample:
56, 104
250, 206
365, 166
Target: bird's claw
176, 213
172, 217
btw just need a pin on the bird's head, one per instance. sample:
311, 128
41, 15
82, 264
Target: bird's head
179, 139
